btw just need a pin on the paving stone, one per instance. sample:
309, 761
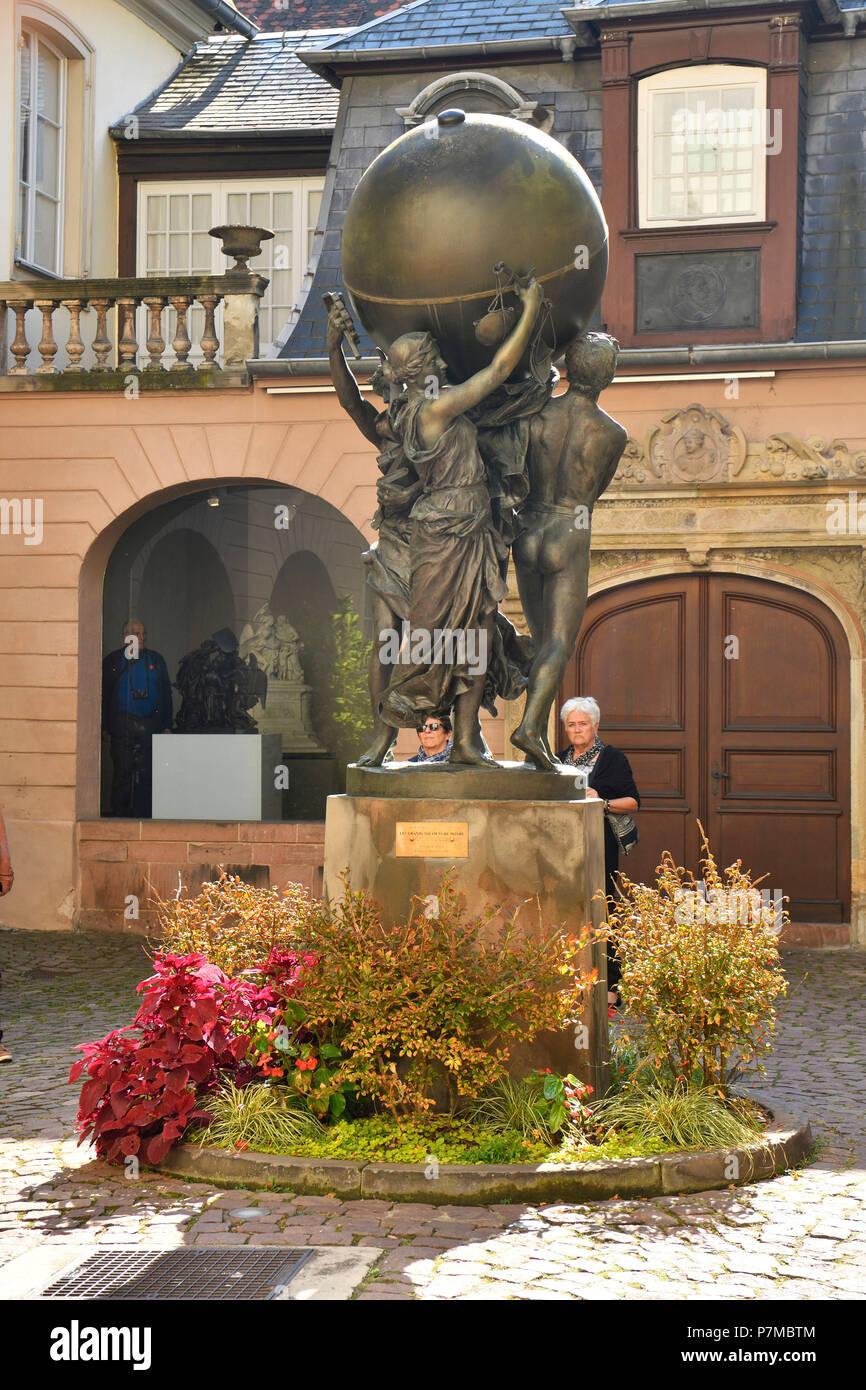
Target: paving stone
317, 1203
356, 1226
407, 1227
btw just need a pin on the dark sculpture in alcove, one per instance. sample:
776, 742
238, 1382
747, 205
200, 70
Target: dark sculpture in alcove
218, 688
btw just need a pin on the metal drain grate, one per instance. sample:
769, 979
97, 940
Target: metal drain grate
193, 1274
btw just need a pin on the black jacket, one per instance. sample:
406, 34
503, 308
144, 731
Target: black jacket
611, 778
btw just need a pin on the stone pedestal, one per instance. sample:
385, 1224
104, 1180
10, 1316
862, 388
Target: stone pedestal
547, 855
287, 714
216, 777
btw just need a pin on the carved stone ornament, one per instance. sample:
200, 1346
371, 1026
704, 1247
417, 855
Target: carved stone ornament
843, 568
694, 445
786, 456
503, 98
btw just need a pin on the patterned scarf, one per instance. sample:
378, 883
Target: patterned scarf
584, 759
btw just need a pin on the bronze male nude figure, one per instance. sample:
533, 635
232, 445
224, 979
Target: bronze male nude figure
574, 450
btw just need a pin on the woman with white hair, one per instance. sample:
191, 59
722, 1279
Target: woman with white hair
611, 781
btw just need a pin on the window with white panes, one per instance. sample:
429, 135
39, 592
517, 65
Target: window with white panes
41, 108
173, 222
703, 136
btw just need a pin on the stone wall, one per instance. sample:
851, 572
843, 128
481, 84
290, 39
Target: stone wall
97, 462
123, 865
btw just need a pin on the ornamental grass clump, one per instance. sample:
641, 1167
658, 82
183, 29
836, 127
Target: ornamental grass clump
260, 1117
517, 1106
680, 1116
235, 925
700, 970
438, 996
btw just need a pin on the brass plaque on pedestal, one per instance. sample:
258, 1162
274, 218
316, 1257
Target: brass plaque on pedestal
432, 839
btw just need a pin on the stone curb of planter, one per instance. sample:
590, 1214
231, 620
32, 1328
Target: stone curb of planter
787, 1141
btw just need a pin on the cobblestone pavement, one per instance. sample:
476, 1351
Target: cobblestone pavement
801, 1236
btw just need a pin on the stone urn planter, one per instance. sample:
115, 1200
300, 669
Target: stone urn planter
244, 243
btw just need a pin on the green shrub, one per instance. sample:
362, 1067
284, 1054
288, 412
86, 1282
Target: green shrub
702, 980
437, 996
266, 1119
343, 716
539, 1106
235, 925
628, 1061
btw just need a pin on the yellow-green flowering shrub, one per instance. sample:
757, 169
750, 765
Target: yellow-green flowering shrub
702, 974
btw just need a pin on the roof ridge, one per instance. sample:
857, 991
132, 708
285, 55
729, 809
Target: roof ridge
383, 18
273, 35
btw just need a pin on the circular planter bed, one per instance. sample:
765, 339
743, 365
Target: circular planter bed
785, 1143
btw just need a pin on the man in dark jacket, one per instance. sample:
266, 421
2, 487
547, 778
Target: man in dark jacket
136, 704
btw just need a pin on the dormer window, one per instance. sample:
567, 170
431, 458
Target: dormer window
703, 137
475, 91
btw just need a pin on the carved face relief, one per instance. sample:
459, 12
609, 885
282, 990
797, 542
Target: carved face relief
691, 446
695, 457
697, 293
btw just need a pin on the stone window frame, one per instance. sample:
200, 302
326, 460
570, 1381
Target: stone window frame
518, 107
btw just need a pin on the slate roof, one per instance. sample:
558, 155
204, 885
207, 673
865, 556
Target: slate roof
582, 9
312, 14
230, 85
427, 23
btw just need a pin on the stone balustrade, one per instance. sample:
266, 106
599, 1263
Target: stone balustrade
113, 350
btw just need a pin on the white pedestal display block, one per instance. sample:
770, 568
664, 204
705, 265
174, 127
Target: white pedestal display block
216, 777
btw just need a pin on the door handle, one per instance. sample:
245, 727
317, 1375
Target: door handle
716, 775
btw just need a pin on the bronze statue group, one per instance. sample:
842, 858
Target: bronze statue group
470, 473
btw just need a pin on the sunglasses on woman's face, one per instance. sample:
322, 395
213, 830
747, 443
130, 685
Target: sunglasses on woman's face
428, 728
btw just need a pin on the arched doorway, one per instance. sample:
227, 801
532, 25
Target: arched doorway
730, 697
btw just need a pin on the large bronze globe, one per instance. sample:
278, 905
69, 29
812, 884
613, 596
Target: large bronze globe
442, 205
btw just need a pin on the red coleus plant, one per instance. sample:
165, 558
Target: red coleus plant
143, 1091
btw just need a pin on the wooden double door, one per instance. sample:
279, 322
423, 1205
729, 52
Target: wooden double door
730, 697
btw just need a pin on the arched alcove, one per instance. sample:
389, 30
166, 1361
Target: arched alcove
212, 559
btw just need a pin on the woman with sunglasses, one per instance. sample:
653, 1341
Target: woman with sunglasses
435, 736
